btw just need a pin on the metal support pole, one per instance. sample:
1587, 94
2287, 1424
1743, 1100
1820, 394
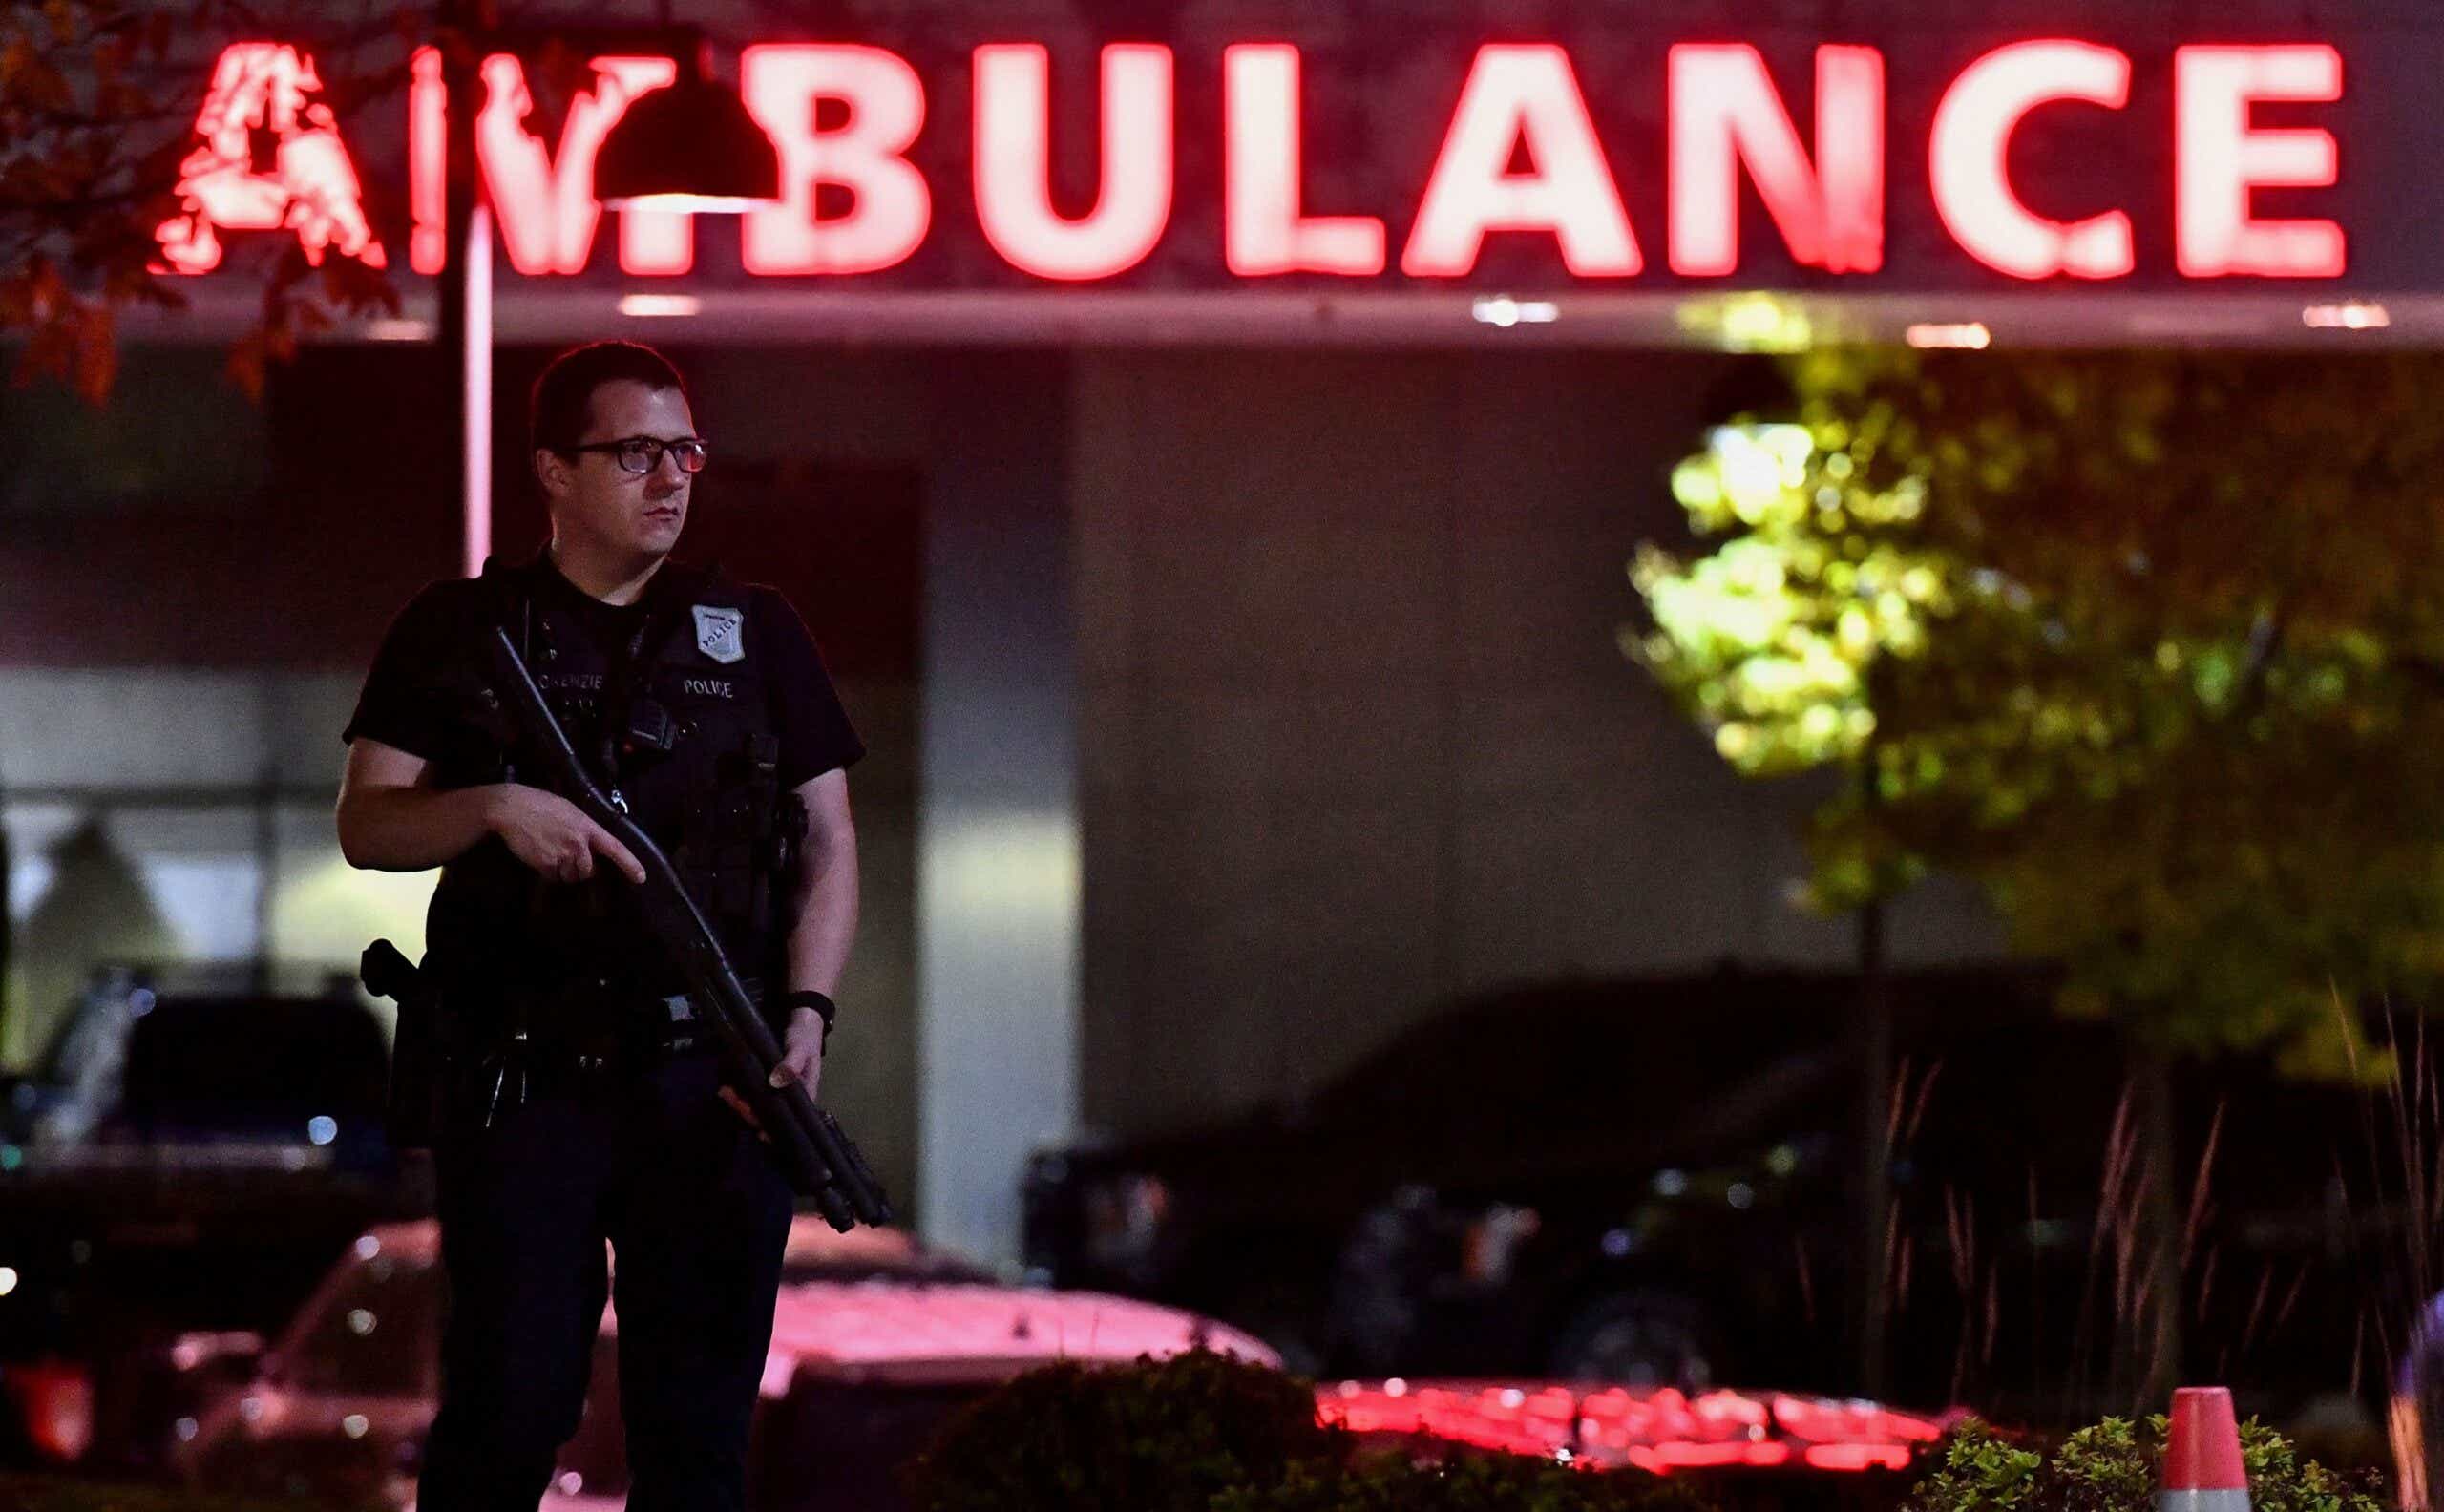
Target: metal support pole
465, 286
475, 384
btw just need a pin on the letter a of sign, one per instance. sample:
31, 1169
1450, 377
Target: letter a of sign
1521, 96
264, 93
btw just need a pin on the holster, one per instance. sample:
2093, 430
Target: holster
422, 1050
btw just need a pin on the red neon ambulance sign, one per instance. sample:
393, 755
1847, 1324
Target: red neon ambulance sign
309, 187
1520, 154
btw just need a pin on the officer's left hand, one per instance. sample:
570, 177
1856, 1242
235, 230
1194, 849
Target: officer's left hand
801, 1059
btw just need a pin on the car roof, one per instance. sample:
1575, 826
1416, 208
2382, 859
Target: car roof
891, 1308
811, 1243
973, 1333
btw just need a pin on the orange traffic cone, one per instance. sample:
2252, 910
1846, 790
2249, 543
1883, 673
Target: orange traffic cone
2202, 1469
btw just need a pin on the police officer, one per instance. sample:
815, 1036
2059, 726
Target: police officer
587, 1103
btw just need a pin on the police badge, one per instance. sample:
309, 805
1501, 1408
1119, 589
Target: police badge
721, 633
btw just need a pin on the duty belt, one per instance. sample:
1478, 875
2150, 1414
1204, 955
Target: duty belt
578, 1032
676, 1021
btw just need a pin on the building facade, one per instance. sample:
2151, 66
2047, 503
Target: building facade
1209, 458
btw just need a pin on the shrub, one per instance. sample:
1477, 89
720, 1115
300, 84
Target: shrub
1491, 1483
2114, 1468
1153, 1437
1202, 1432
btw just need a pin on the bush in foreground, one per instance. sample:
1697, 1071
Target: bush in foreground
1159, 1436
1395, 1482
1202, 1432
2114, 1466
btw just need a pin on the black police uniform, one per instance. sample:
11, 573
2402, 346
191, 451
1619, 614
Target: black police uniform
584, 1105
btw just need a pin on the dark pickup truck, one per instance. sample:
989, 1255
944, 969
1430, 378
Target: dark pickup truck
1650, 1181
190, 1154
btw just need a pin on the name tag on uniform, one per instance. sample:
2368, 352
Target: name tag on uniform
721, 633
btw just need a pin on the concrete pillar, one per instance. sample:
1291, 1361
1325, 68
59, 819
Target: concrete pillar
997, 850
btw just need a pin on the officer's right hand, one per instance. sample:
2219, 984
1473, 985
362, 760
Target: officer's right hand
553, 836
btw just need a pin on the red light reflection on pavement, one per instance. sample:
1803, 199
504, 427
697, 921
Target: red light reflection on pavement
1660, 1431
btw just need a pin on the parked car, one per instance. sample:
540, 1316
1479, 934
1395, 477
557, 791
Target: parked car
1649, 1182
876, 1336
189, 1154
198, 1062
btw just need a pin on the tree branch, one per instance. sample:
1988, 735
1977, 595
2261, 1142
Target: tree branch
2427, 671
2265, 641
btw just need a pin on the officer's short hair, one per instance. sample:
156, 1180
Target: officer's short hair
562, 403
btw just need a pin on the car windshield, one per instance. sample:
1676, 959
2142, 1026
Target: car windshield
373, 1329
253, 1064
817, 1252
1617, 1058
1682, 1068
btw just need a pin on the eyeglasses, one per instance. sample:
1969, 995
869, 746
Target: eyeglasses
643, 453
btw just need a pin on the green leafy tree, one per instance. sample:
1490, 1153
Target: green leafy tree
2144, 644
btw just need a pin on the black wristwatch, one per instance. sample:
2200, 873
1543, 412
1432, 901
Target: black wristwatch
808, 998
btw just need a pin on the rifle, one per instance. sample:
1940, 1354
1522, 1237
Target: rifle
816, 1154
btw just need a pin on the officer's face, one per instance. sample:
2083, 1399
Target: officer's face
591, 496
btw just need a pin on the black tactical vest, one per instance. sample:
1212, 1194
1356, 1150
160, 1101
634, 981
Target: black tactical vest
677, 723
